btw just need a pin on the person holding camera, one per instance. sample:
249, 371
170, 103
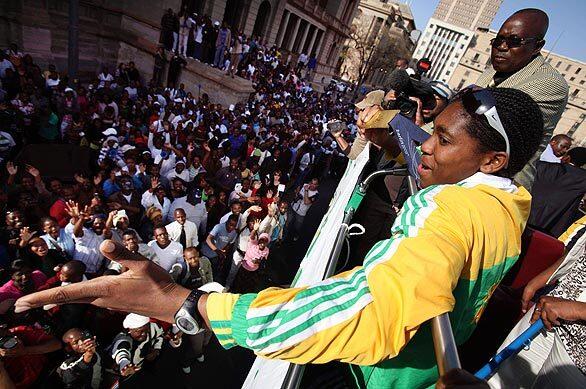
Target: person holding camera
83, 366
141, 340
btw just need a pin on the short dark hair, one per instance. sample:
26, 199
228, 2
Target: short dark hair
47, 219
577, 156
19, 265
523, 122
129, 232
233, 218
559, 137
77, 266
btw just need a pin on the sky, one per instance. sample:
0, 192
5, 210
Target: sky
566, 17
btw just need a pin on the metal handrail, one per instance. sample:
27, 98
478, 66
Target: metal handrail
444, 344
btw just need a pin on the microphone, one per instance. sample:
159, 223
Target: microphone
399, 81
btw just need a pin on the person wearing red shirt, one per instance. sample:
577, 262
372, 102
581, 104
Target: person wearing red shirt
59, 208
25, 361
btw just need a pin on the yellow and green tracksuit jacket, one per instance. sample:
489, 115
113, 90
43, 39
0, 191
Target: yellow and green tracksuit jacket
451, 246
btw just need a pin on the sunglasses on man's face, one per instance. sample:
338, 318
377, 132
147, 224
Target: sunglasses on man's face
512, 41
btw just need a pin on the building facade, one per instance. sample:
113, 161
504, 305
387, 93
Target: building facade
450, 31
468, 14
380, 34
112, 31
573, 120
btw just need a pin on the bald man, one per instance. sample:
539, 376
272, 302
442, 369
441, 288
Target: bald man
517, 63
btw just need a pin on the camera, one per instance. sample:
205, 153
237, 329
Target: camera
336, 126
402, 103
85, 334
8, 342
404, 87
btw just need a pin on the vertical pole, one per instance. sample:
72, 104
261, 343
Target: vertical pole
446, 353
73, 43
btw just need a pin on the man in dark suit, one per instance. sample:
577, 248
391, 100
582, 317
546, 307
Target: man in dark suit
557, 192
129, 200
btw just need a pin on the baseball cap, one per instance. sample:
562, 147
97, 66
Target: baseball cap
381, 119
441, 89
372, 98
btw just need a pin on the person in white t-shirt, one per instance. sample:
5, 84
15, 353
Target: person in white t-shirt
557, 147
167, 252
305, 198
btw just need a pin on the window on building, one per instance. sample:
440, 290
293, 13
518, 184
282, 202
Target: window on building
581, 82
575, 92
568, 67
578, 70
476, 56
461, 84
558, 65
572, 78
467, 73
448, 73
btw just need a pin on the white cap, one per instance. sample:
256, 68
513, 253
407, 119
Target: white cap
211, 287
132, 321
216, 23
68, 90
178, 100
110, 131
231, 107
126, 148
121, 214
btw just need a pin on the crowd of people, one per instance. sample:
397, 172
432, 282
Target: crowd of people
205, 193
203, 190
191, 36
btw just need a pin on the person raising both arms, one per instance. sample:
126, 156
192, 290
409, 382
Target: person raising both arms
449, 248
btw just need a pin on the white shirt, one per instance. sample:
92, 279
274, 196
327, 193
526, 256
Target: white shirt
306, 160
174, 230
184, 175
299, 206
87, 249
549, 156
225, 161
103, 78
150, 200
5, 64
199, 34
241, 219
168, 256
181, 202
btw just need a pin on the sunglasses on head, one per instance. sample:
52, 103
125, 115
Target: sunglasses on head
480, 102
512, 41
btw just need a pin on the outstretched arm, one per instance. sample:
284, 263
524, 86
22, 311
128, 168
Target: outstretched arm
362, 316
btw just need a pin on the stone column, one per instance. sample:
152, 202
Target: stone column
283, 28
305, 32
312, 41
294, 35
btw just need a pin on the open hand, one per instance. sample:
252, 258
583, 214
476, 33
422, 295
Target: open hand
159, 296
12, 170
33, 171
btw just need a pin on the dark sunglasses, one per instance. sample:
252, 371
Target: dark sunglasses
480, 102
512, 41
